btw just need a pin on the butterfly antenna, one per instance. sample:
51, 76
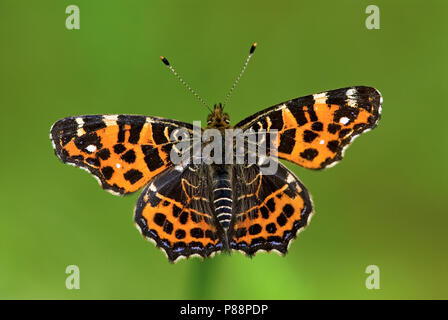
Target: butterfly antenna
165, 61
251, 52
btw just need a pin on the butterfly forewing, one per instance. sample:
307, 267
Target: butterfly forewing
313, 131
123, 151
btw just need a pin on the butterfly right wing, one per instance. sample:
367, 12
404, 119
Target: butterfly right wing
268, 210
315, 130
122, 151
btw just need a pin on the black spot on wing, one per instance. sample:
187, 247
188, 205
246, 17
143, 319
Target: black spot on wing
93, 123
176, 211
317, 126
271, 228
158, 134
264, 212
119, 148
333, 128
103, 154
276, 120
183, 217
254, 229
333, 146
197, 233
309, 136
152, 158
107, 172
135, 124
309, 154
271, 204
168, 227
180, 234
312, 113
281, 219
288, 210
159, 219
129, 156
133, 175
287, 141
299, 115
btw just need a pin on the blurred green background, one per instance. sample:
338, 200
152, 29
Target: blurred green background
384, 204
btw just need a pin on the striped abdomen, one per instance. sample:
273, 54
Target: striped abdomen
222, 196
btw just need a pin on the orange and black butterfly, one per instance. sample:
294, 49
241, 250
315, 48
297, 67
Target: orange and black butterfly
200, 209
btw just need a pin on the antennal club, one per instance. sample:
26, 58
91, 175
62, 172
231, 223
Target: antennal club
166, 62
251, 52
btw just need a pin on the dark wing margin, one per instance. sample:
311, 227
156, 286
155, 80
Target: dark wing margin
123, 152
315, 130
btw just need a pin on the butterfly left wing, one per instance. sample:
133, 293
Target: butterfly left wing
174, 212
122, 151
268, 211
314, 131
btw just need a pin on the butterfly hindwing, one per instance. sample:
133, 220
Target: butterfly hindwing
122, 151
268, 211
313, 131
174, 211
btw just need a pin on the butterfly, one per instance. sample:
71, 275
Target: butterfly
199, 209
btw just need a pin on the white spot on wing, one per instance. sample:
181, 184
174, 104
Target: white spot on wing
80, 132
91, 148
111, 117
320, 98
80, 122
351, 92
344, 120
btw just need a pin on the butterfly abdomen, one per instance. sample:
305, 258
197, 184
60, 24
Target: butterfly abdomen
222, 195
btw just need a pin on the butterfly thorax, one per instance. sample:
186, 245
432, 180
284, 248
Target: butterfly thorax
218, 119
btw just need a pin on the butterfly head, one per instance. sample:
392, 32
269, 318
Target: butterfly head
218, 119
